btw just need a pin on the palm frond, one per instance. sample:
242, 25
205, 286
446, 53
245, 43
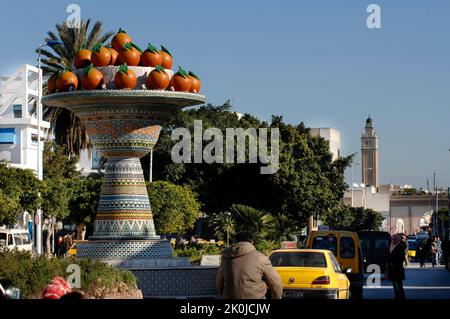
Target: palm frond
67, 127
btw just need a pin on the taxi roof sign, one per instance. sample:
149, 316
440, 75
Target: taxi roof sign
289, 245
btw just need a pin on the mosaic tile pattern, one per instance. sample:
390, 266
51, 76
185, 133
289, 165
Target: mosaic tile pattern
125, 249
177, 282
123, 125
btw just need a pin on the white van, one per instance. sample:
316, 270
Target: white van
15, 238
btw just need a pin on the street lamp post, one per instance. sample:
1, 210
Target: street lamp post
52, 44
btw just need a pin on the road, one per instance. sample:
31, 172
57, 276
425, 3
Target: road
420, 283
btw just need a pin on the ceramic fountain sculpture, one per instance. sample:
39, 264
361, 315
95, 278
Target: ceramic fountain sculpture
124, 125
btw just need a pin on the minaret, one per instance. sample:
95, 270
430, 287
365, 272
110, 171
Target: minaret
369, 155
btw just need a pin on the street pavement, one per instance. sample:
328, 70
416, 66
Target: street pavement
420, 283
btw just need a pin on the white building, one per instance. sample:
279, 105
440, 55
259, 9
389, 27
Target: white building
333, 136
89, 163
18, 119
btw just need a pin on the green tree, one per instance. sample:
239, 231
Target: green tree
19, 191
307, 182
68, 129
59, 172
84, 201
354, 218
223, 226
252, 220
175, 208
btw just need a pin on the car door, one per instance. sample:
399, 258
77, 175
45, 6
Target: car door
341, 277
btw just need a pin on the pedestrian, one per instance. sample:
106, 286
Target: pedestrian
396, 272
421, 252
245, 273
67, 243
405, 242
438, 251
433, 251
60, 246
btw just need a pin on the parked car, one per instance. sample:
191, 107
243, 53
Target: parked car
375, 248
15, 238
345, 245
310, 273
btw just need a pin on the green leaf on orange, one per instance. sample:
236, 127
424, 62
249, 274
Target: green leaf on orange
182, 72
127, 46
96, 48
135, 46
87, 69
160, 68
193, 75
123, 69
165, 50
152, 48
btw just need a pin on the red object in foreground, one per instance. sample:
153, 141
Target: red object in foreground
56, 289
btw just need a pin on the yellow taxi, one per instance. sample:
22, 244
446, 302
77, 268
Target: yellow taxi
72, 252
346, 247
310, 273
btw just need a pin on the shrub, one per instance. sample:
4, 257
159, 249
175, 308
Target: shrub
32, 274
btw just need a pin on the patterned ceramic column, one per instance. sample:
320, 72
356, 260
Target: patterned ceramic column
124, 126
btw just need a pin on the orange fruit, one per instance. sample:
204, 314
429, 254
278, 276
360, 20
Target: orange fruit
91, 78
151, 56
181, 81
120, 39
195, 82
82, 58
158, 79
101, 56
130, 55
167, 59
125, 78
51, 83
67, 81
114, 55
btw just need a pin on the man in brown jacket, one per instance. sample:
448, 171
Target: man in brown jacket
245, 273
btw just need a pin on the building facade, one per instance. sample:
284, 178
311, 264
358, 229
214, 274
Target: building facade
333, 136
369, 155
18, 119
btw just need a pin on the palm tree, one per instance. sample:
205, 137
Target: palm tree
224, 226
68, 129
252, 220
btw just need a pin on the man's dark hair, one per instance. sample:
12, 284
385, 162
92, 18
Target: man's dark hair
73, 295
244, 236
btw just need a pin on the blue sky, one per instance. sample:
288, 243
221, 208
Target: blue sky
313, 61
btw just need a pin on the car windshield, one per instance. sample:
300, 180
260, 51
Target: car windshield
25, 239
326, 242
298, 259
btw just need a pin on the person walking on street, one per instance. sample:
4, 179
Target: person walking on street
433, 251
396, 272
421, 252
438, 250
245, 273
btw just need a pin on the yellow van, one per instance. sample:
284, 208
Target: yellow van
346, 247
